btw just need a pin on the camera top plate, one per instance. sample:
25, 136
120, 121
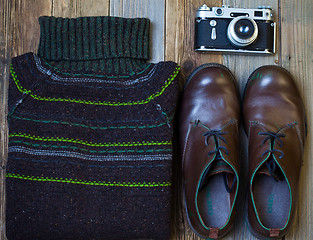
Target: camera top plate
261, 13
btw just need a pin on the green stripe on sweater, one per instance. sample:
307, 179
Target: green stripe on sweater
92, 183
53, 99
92, 144
92, 127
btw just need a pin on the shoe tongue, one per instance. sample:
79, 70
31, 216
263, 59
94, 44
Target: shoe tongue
219, 166
265, 170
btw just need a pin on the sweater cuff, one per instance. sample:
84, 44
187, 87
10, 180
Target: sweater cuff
93, 38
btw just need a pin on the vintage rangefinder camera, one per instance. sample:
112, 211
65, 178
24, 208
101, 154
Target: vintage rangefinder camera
225, 29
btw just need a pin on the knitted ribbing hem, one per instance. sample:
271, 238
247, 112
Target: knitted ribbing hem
95, 43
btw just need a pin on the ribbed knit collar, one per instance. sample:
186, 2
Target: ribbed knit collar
99, 44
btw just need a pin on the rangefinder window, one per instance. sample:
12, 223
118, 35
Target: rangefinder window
258, 13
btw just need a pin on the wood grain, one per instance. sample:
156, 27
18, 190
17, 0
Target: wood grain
79, 8
297, 57
179, 34
179, 47
21, 34
242, 66
96, 8
152, 9
5, 51
65, 8
25, 27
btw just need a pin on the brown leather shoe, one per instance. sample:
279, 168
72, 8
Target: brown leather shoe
274, 120
209, 143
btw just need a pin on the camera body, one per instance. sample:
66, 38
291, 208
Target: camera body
224, 29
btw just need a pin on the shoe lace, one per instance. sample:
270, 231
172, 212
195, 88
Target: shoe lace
270, 163
218, 134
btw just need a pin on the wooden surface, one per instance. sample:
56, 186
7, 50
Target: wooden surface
152, 9
172, 26
179, 36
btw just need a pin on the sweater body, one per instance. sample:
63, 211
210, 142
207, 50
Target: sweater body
90, 154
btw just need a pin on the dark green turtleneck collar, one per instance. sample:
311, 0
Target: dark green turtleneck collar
95, 44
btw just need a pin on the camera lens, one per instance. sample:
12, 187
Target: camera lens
242, 31
244, 28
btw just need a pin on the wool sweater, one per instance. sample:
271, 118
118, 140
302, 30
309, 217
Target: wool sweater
90, 134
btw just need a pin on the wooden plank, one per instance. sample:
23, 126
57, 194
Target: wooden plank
20, 29
94, 8
152, 9
25, 26
297, 57
5, 51
242, 66
80, 8
179, 47
65, 8
179, 37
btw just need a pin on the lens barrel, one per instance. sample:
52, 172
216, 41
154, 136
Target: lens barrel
242, 31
